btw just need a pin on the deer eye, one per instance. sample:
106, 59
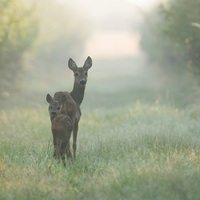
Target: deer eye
76, 74
50, 107
86, 73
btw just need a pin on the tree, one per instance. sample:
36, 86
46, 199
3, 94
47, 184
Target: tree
181, 27
17, 33
171, 35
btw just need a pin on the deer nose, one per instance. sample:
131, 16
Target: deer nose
82, 82
53, 114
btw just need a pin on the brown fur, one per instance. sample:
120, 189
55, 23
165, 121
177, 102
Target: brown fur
62, 111
69, 103
71, 109
61, 127
80, 80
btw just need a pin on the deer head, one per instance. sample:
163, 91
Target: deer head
80, 73
54, 106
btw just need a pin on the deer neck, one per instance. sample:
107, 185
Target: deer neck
78, 93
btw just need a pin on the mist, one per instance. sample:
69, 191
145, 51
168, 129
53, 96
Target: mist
113, 34
138, 124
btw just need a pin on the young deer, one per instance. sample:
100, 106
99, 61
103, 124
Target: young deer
80, 80
62, 111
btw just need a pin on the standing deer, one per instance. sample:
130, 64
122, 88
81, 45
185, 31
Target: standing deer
63, 114
80, 80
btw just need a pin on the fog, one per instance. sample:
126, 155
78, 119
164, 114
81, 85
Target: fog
109, 32
105, 30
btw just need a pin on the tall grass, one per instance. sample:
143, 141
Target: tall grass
139, 151
139, 138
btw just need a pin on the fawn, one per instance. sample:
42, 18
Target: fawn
62, 113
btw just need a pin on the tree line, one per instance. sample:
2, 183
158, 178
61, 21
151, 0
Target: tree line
43, 33
171, 35
17, 33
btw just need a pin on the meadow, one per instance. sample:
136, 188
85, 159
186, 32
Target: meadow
131, 145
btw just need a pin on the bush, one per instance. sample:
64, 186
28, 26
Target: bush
180, 17
17, 33
171, 37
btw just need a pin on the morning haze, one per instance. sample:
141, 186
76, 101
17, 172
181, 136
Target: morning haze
138, 137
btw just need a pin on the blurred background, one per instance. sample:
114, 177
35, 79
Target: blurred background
142, 50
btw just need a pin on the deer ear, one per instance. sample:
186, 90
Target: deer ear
49, 99
88, 63
72, 65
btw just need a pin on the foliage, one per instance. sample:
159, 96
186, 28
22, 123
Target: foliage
179, 26
17, 33
169, 36
160, 50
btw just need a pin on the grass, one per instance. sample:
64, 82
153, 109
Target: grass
140, 151
139, 138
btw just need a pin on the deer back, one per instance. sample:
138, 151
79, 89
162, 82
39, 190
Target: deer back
69, 106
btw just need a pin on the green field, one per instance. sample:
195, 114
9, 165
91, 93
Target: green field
133, 143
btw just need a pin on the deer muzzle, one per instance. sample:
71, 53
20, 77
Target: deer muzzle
82, 82
53, 114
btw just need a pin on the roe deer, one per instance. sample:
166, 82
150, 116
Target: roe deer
80, 80
61, 123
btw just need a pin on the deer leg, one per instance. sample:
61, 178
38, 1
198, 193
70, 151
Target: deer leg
75, 131
62, 153
68, 151
56, 151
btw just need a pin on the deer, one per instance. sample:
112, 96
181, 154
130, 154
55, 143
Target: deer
77, 93
63, 114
